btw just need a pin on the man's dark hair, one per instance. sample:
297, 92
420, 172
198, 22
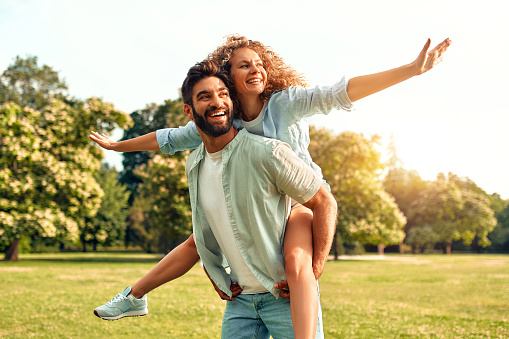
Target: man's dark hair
202, 70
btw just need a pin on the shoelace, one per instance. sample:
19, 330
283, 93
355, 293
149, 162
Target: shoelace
119, 297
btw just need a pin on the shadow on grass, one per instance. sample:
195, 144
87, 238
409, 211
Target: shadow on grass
92, 259
119, 257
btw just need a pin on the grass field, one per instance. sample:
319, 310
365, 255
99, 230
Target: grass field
428, 296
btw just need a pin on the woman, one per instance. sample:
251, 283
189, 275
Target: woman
271, 100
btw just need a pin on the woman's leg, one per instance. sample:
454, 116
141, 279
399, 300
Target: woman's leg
298, 251
175, 264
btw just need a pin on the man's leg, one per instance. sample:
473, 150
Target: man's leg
276, 315
241, 319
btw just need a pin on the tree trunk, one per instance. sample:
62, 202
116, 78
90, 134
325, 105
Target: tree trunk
401, 248
381, 249
334, 243
448, 248
12, 251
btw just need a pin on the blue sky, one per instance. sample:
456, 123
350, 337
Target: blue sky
451, 119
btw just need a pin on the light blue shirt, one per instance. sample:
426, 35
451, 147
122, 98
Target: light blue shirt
257, 175
285, 118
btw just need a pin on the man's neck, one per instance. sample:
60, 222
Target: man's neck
216, 144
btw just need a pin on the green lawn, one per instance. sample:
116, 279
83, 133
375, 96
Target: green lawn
428, 296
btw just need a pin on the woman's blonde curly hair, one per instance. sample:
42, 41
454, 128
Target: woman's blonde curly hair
280, 76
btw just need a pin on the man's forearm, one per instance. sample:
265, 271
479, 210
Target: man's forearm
324, 209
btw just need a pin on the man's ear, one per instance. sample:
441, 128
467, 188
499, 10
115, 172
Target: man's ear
188, 111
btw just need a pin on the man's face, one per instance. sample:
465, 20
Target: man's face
212, 107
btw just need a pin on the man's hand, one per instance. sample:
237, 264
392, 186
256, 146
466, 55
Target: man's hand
428, 59
318, 265
102, 140
234, 287
284, 290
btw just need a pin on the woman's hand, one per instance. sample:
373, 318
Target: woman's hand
428, 59
103, 141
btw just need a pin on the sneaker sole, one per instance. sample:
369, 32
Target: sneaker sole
139, 313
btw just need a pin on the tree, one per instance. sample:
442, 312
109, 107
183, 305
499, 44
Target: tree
351, 165
405, 186
47, 164
500, 235
27, 84
161, 214
456, 209
149, 119
109, 224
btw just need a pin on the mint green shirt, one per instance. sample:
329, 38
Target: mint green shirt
257, 175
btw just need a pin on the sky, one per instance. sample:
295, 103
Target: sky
454, 118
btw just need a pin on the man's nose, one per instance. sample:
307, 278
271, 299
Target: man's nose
215, 101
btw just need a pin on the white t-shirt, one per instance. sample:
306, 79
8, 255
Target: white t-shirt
213, 202
255, 126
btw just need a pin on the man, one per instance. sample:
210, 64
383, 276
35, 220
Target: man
238, 185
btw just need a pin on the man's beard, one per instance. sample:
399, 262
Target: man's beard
211, 129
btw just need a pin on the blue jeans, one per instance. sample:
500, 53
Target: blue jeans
261, 315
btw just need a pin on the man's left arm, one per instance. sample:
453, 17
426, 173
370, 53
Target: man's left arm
324, 209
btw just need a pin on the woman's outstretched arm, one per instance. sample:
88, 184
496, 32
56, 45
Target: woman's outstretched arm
362, 86
146, 142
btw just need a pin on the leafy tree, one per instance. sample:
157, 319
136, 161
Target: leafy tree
421, 238
109, 224
161, 214
500, 235
47, 163
405, 186
27, 84
147, 120
351, 165
456, 209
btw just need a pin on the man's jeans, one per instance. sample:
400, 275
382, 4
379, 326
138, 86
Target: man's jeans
261, 316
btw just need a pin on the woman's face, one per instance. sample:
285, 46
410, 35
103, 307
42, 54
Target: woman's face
247, 72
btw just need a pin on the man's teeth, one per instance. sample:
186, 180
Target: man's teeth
217, 114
